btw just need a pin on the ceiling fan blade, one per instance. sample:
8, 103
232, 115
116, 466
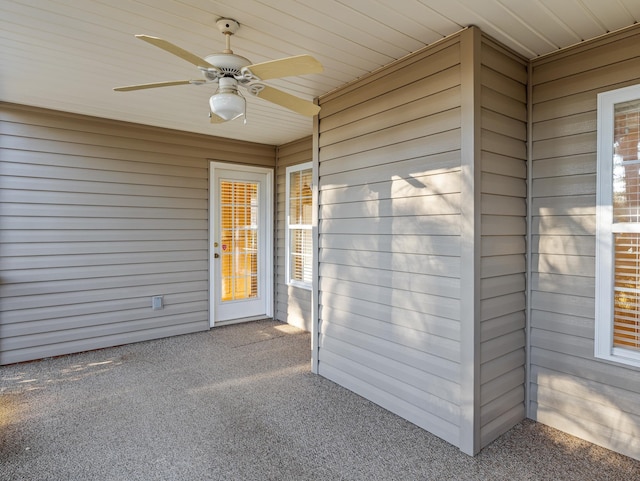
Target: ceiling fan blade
285, 67
158, 84
175, 50
284, 99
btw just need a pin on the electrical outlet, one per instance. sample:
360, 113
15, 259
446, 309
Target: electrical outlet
157, 303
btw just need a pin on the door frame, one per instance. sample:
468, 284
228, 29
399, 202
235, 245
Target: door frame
269, 229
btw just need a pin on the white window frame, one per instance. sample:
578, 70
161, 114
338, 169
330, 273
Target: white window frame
289, 226
605, 228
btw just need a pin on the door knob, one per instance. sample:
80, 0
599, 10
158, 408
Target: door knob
216, 255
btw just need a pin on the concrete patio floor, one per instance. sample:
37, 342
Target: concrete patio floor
239, 403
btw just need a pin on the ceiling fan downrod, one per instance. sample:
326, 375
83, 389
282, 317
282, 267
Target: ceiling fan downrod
227, 27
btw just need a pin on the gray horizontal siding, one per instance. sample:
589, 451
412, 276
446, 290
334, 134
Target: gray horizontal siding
97, 217
502, 258
389, 238
570, 389
293, 304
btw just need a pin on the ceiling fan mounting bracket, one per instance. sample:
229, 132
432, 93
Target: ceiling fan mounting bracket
255, 89
227, 26
211, 73
248, 75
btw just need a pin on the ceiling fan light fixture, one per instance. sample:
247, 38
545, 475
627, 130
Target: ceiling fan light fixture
227, 103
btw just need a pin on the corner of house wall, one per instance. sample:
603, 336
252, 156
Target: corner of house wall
470, 42
316, 242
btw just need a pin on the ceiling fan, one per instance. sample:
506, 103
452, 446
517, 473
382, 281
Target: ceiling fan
230, 71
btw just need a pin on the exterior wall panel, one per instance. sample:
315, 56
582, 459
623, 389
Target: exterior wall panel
571, 389
395, 169
503, 229
97, 217
389, 190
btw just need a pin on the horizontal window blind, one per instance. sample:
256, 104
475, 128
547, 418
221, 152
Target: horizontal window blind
300, 198
626, 324
300, 201
626, 225
301, 254
626, 190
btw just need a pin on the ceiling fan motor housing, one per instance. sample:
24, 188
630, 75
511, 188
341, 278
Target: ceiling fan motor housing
229, 63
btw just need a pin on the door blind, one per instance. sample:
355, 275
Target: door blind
239, 239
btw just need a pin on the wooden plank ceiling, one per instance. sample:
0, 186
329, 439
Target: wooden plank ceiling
68, 54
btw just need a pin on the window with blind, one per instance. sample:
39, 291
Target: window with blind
618, 227
299, 210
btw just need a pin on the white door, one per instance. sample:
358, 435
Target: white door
241, 250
